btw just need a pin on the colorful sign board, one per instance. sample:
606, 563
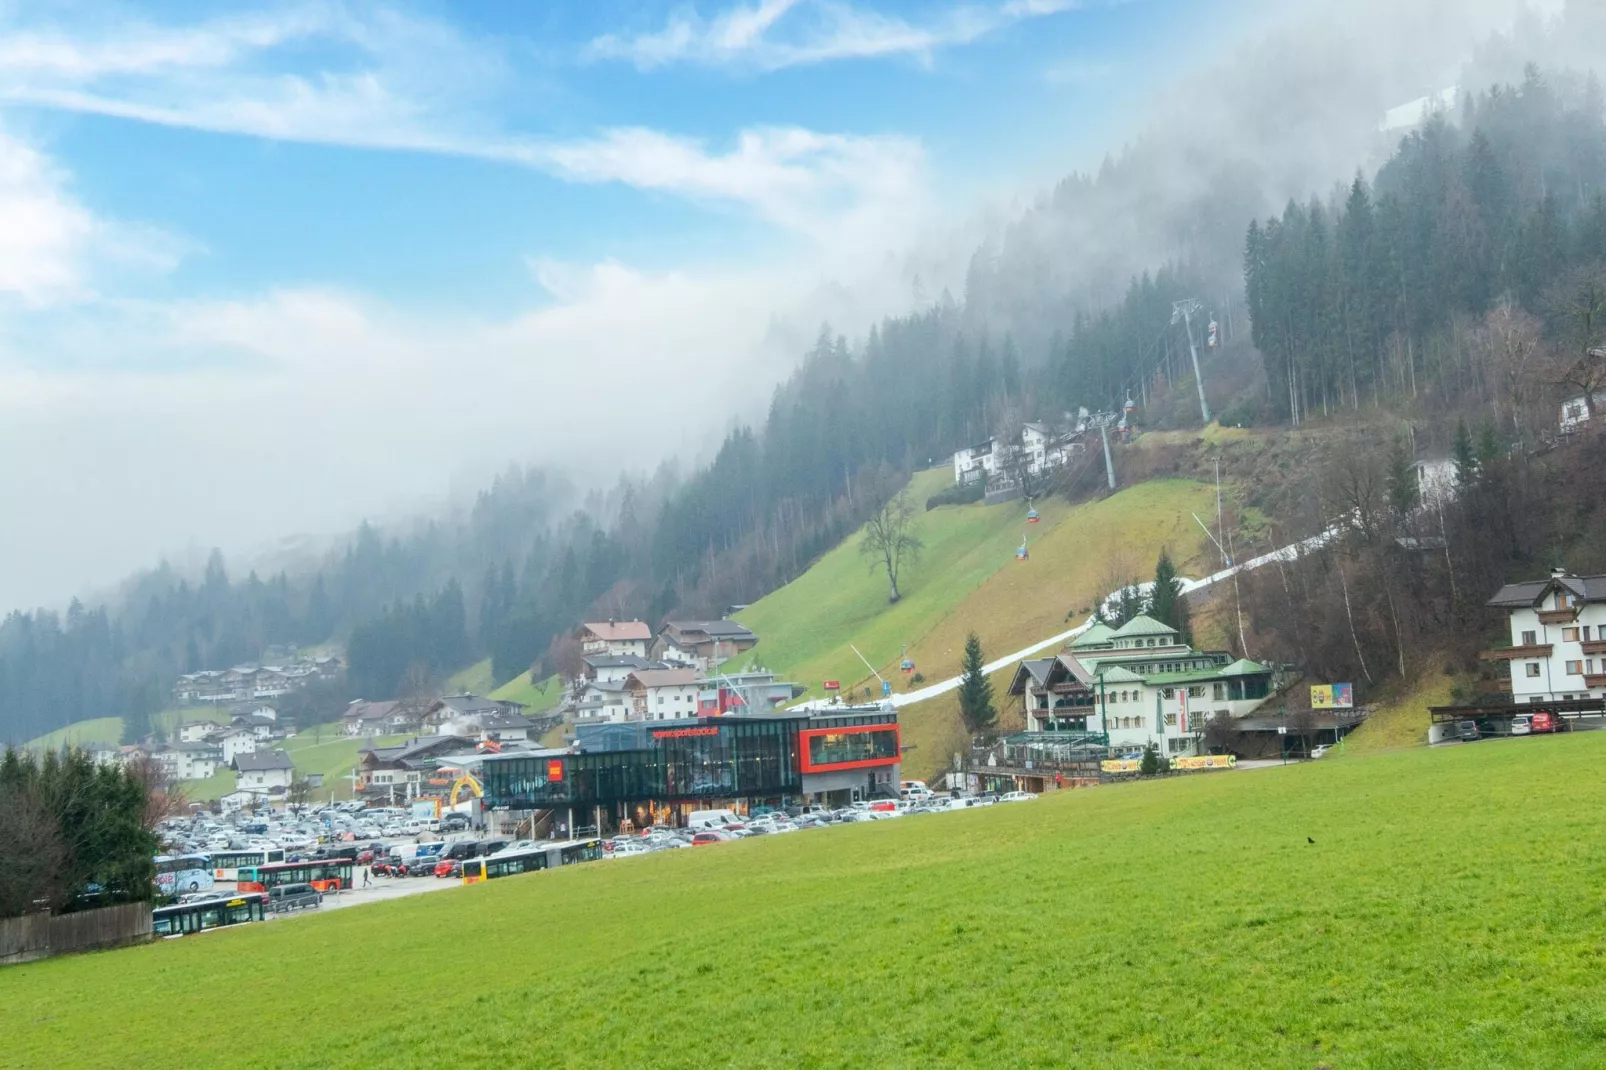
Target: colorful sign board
1121, 765
1332, 696
684, 733
1205, 761
833, 685
554, 769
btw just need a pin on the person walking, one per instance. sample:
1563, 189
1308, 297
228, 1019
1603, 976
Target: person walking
365, 876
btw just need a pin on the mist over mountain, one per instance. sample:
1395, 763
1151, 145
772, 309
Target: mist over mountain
927, 340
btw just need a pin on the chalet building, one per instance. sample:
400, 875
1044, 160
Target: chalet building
371, 718
195, 731
1139, 684
615, 637
663, 694
194, 760
406, 769
243, 683
480, 718
603, 700
702, 644
1039, 449
266, 773
606, 668
1558, 638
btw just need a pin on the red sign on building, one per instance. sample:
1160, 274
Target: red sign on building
554, 769
833, 685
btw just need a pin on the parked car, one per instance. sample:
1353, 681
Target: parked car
708, 836
450, 867
1017, 796
1466, 731
287, 897
1321, 751
1522, 726
454, 823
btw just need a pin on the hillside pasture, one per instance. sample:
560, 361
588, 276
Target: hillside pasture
1422, 907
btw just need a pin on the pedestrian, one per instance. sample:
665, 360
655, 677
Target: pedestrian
365, 876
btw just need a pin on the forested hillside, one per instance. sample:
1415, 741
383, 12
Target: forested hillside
1448, 283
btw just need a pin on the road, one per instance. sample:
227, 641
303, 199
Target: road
1291, 552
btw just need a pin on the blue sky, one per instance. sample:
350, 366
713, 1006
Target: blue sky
257, 259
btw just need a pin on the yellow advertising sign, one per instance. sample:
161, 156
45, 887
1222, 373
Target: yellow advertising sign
1121, 765
1332, 696
1205, 761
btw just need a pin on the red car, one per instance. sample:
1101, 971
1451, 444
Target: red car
449, 868
708, 836
1545, 722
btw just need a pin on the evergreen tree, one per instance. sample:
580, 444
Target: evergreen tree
1464, 455
1400, 480
975, 690
1167, 604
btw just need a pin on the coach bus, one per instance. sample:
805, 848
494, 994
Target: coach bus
227, 864
326, 875
512, 863
185, 918
177, 874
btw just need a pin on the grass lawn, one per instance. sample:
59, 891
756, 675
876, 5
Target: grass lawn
968, 579
328, 751
1401, 718
1447, 914
99, 730
474, 680
539, 696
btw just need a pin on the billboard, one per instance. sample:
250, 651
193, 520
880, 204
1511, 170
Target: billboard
1332, 696
1205, 761
1121, 765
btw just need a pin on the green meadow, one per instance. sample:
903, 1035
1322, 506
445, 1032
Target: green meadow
1414, 908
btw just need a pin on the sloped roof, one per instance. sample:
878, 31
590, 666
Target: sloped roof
621, 631
1117, 675
1038, 669
665, 677
369, 711
263, 761
1517, 595
1099, 633
721, 629
617, 661
1143, 624
1243, 667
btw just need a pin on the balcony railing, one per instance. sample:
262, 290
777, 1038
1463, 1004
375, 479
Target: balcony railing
1558, 616
1597, 646
1508, 653
1595, 679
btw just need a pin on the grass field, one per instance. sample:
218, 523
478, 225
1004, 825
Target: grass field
539, 696
968, 579
474, 680
99, 730
1401, 719
321, 749
1448, 913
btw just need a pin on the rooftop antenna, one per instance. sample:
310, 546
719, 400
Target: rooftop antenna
1184, 311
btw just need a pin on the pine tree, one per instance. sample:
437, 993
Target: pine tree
1400, 479
975, 690
1166, 604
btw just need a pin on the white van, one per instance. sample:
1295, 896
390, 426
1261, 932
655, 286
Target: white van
913, 790
710, 819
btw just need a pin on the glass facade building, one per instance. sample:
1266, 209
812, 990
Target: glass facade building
692, 761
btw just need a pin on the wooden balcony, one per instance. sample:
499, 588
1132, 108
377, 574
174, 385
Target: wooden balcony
1509, 653
1503, 684
1596, 646
1594, 680
1558, 616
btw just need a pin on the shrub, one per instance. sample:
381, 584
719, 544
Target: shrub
1151, 761
958, 494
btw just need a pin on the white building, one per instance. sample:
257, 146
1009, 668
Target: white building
663, 694
1040, 447
615, 637
1575, 413
1435, 481
604, 700
1558, 637
233, 742
268, 773
1139, 684
974, 463
195, 731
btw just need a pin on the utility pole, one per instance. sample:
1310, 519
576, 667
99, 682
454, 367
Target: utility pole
1184, 310
1109, 465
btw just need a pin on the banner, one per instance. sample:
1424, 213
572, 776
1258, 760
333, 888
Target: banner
1121, 765
1205, 761
1182, 710
1332, 696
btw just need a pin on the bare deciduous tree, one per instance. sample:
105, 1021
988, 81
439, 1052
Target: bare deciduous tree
889, 540
164, 798
1576, 309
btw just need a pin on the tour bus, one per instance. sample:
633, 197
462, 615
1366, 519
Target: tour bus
326, 875
511, 863
182, 873
227, 864
204, 914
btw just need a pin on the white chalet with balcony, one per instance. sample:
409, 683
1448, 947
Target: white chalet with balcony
1558, 637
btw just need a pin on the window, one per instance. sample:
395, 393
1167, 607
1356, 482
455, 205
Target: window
1218, 691
1533, 668
1196, 691
1586, 633
1170, 693
1170, 720
1575, 668
1529, 638
1569, 635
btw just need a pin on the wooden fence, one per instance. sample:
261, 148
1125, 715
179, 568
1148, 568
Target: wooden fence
37, 936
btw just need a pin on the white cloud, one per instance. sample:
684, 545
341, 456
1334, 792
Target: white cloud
52, 248
774, 34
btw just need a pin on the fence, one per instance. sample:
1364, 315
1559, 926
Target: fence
38, 936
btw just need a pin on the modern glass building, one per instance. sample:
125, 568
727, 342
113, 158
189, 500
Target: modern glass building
649, 772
